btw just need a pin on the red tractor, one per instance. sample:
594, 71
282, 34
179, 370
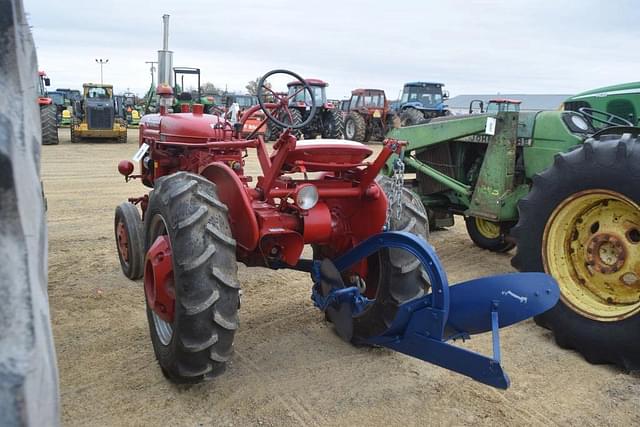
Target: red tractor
368, 115
48, 111
204, 214
326, 122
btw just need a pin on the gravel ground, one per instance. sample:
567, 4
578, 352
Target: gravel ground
289, 367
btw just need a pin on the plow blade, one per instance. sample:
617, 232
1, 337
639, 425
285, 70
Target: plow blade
422, 327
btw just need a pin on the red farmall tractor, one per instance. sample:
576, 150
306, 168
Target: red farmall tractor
204, 214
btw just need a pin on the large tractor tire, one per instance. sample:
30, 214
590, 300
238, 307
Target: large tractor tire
333, 125
29, 393
488, 234
411, 117
49, 125
296, 119
581, 224
197, 343
129, 240
122, 138
395, 275
355, 127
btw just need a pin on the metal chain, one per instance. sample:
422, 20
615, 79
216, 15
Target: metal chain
395, 199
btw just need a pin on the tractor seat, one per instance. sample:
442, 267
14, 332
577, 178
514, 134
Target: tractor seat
327, 155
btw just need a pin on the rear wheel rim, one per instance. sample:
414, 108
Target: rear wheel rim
350, 129
591, 245
164, 329
488, 229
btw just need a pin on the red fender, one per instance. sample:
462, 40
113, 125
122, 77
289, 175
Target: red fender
232, 193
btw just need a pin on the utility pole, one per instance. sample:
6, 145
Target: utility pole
153, 69
101, 62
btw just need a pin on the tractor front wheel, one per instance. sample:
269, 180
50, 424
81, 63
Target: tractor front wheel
128, 231
581, 224
488, 234
411, 117
355, 128
190, 278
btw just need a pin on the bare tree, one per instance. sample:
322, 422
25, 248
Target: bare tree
210, 89
252, 86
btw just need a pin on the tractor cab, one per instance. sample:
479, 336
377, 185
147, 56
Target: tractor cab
369, 101
502, 104
183, 96
43, 83
423, 96
300, 97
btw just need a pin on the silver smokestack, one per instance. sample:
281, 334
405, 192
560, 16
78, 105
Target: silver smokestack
165, 56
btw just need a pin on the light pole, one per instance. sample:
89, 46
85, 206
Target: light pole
101, 62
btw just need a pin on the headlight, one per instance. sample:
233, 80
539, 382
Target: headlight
307, 196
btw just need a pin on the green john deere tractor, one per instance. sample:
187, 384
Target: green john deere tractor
623, 100
562, 186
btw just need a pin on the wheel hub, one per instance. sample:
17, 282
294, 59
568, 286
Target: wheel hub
606, 253
123, 241
158, 279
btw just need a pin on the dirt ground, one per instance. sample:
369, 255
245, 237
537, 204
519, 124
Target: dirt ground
289, 367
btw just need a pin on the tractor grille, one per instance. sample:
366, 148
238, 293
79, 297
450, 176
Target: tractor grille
100, 118
438, 157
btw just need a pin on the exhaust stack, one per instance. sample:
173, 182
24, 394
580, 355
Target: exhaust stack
165, 56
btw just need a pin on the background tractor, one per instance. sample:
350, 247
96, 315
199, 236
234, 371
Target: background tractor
621, 100
420, 102
95, 115
202, 216
327, 123
560, 188
367, 116
48, 120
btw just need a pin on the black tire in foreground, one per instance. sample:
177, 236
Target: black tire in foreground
489, 235
198, 343
29, 392
49, 125
396, 275
355, 128
129, 240
411, 116
581, 223
333, 125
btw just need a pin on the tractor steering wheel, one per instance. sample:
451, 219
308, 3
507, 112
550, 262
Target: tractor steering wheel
281, 103
609, 119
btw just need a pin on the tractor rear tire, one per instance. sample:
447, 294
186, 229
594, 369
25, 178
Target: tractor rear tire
355, 128
555, 220
400, 276
296, 119
411, 117
186, 208
333, 125
129, 240
122, 138
489, 235
49, 124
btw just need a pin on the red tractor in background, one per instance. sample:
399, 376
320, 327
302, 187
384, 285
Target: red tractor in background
48, 111
202, 215
367, 115
327, 121
377, 286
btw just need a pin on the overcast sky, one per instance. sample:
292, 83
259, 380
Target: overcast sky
484, 46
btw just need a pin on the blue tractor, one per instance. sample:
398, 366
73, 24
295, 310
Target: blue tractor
420, 102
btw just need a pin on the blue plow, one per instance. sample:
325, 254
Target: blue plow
423, 326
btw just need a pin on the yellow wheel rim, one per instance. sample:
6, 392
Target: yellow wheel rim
591, 245
488, 229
